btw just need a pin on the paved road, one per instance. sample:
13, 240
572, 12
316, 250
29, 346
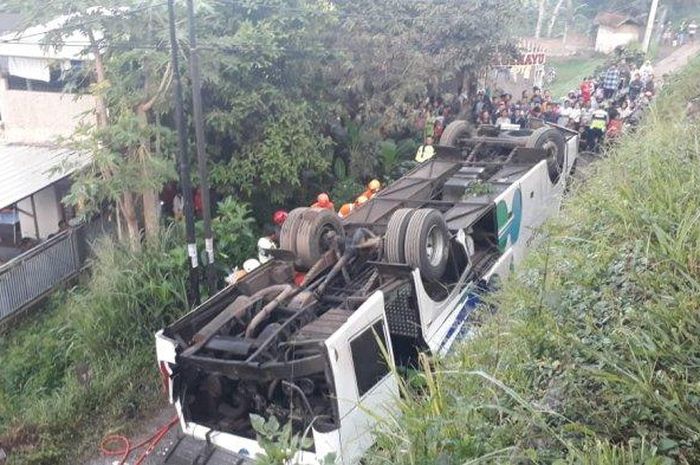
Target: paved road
677, 59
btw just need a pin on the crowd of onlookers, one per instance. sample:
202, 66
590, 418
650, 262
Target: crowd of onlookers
677, 36
602, 107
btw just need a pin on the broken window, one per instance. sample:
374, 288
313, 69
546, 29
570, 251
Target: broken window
368, 357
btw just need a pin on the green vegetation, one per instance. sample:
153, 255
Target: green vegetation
593, 355
570, 72
88, 364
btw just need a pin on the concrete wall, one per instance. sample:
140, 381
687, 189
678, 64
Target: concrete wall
608, 38
555, 47
48, 213
35, 117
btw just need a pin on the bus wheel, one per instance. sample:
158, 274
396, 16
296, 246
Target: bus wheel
314, 236
455, 131
396, 235
427, 243
290, 227
554, 143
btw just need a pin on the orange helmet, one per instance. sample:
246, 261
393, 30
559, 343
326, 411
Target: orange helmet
323, 198
374, 185
345, 210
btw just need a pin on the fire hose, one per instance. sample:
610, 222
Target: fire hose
117, 445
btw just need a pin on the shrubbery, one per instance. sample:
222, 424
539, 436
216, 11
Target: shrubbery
89, 363
593, 355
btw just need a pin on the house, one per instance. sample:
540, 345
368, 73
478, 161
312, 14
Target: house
33, 105
35, 112
33, 180
615, 30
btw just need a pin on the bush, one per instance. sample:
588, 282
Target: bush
592, 357
87, 364
234, 233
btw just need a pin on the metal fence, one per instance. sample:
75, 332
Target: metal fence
31, 276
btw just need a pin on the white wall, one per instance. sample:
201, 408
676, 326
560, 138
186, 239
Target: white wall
608, 38
48, 213
33, 117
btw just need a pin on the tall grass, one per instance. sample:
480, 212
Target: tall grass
594, 354
89, 364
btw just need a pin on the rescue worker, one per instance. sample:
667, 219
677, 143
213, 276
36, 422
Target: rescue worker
426, 151
323, 201
345, 210
596, 130
238, 274
265, 245
360, 200
278, 219
372, 189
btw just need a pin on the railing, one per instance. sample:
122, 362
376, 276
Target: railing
31, 276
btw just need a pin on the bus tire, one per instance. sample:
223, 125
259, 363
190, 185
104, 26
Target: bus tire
311, 237
396, 235
454, 131
290, 228
427, 244
553, 141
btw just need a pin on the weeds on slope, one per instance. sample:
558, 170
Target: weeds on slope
90, 362
594, 355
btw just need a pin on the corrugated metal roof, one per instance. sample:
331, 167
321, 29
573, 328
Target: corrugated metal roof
26, 169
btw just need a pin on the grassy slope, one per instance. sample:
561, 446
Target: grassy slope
103, 330
593, 356
570, 71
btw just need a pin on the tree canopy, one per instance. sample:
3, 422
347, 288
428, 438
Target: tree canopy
289, 87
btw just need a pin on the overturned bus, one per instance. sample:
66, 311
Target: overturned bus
400, 275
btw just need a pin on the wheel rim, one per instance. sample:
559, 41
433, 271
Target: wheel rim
551, 148
552, 158
434, 245
324, 240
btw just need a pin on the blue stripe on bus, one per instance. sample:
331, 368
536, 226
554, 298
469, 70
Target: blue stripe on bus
471, 300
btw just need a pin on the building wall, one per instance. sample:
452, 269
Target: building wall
48, 211
608, 38
36, 117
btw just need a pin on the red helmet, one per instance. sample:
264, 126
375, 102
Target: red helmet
279, 217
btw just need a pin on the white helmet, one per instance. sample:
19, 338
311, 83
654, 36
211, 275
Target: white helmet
250, 264
265, 244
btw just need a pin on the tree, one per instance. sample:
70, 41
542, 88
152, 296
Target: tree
263, 91
129, 69
419, 49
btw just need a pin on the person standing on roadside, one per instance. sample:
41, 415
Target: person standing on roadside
611, 81
636, 86
586, 90
646, 71
692, 30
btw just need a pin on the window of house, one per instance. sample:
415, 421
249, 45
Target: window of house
367, 357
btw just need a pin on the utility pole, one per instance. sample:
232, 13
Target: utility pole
650, 25
185, 182
201, 149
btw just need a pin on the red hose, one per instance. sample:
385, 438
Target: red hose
117, 445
